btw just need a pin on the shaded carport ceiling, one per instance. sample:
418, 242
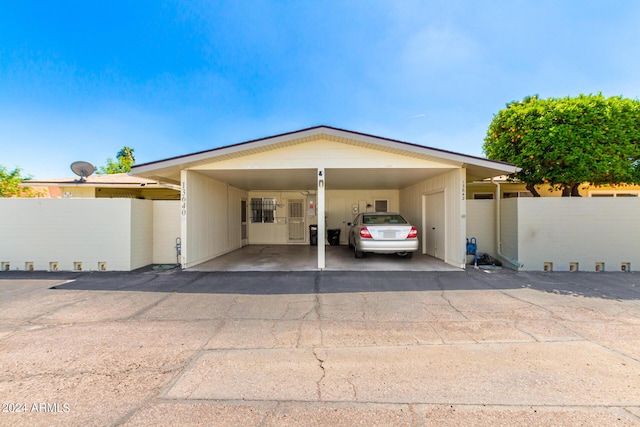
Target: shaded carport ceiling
335, 179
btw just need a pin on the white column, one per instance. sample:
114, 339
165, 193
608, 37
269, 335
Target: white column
321, 224
183, 218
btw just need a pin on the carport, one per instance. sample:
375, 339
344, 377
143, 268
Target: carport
303, 258
269, 191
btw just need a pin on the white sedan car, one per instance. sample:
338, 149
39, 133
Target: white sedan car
384, 233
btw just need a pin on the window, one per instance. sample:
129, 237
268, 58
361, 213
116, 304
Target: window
512, 194
614, 194
483, 196
383, 219
263, 209
381, 205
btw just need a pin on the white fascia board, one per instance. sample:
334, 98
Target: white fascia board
460, 160
184, 162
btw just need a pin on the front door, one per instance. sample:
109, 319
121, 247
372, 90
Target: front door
243, 223
296, 221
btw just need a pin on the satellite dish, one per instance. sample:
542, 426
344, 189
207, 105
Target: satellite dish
82, 169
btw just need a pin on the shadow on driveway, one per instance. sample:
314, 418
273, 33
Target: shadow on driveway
618, 286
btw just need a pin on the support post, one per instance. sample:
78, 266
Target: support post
183, 260
321, 224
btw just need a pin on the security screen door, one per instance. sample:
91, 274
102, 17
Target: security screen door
243, 222
296, 220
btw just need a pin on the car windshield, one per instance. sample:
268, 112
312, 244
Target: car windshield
383, 219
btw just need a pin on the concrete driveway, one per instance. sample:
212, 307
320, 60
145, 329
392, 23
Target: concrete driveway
319, 348
280, 258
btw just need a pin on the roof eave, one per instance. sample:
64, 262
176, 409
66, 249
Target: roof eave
171, 165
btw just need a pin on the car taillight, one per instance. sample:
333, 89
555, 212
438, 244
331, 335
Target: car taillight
413, 234
364, 233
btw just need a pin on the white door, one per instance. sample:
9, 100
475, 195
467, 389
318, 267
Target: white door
433, 229
296, 221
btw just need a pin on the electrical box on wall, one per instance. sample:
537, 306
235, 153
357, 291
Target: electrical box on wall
311, 205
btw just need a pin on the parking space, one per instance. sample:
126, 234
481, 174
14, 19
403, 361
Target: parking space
319, 348
304, 258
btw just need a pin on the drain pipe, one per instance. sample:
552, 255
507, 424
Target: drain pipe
505, 258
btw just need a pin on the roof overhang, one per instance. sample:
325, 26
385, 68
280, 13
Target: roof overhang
121, 180
168, 170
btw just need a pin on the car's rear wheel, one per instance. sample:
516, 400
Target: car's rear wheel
359, 254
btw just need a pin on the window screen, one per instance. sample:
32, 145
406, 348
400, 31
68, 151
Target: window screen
263, 209
483, 196
381, 205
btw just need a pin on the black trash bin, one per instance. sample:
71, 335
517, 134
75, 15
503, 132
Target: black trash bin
313, 234
333, 235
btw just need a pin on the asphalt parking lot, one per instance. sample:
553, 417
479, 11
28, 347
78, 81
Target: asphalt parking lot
319, 348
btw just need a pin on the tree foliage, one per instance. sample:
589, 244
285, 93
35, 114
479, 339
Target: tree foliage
125, 159
10, 181
565, 142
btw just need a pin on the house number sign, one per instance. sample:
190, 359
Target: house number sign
183, 201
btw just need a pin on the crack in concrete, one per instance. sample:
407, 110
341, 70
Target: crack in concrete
273, 333
317, 306
145, 309
35, 320
324, 373
353, 388
521, 329
365, 304
441, 286
559, 320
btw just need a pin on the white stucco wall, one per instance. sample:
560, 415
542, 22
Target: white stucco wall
584, 230
166, 228
481, 225
211, 221
122, 234
509, 229
66, 231
141, 233
453, 185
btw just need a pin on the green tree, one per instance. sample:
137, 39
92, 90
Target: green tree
125, 159
10, 181
565, 142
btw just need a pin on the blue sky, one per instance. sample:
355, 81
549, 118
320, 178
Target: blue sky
81, 79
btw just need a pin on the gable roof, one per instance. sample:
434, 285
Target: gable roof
169, 169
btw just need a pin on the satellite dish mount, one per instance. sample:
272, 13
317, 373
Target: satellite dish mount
83, 170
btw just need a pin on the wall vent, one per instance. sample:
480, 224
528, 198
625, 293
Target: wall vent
548, 266
28, 266
573, 266
625, 266
102, 266
77, 266
599, 266
53, 266
6, 266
